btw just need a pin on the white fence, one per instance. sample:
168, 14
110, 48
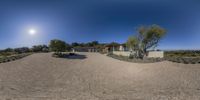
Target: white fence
156, 54
151, 54
122, 53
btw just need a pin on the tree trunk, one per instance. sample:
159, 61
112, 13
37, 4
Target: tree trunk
145, 53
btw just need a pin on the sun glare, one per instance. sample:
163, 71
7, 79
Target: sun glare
32, 32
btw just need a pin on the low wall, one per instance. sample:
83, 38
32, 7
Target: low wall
155, 54
122, 53
151, 54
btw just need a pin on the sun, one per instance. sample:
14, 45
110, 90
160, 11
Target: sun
32, 31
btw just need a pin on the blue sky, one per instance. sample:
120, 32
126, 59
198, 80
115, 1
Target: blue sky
101, 20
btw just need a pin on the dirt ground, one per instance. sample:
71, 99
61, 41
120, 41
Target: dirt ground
94, 76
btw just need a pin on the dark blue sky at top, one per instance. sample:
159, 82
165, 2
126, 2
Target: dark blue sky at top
101, 20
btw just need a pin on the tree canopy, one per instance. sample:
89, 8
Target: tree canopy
40, 48
57, 45
132, 42
147, 37
150, 36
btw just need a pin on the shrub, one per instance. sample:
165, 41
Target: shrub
59, 55
145, 60
13, 57
131, 56
71, 54
22, 50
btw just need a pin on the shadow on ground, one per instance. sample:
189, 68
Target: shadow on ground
77, 56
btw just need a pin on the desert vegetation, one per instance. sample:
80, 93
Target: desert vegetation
11, 54
4, 59
182, 53
128, 59
151, 34
183, 56
177, 56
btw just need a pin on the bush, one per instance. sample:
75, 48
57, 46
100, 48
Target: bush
185, 60
71, 54
59, 55
183, 53
131, 57
145, 60
13, 57
22, 50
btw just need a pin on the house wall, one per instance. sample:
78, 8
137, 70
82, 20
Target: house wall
156, 54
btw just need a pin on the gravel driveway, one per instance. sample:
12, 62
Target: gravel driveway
96, 77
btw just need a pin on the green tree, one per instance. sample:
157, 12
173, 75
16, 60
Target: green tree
9, 50
57, 45
114, 44
40, 48
132, 43
148, 37
75, 44
95, 43
68, 47
22, 50
92, 44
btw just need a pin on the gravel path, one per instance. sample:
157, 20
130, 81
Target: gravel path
96, 77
